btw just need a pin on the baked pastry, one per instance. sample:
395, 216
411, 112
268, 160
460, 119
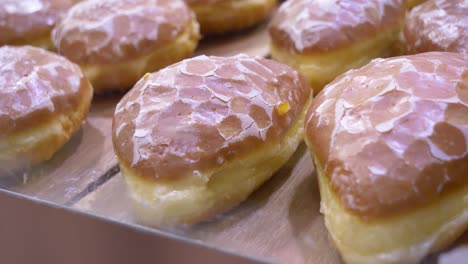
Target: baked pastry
44, 99
118, 41
29, 22
196, 138
221, 16
390, 145
413, 3
323, 39
438, 25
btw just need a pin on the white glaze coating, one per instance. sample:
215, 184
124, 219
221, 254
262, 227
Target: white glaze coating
203, 111
35, 84
321, 25
29, 19
438, 25
106, 31
395, 132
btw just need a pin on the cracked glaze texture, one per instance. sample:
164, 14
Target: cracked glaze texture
312, 26
440, 25
394, 134
202, 112
109, 31
27, 20
36, 85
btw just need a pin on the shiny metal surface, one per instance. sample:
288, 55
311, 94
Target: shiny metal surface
33, 231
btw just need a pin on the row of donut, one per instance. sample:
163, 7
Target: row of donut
389, 140
118, 41
324, 39
31, 21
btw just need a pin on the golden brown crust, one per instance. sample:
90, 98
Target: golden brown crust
438, 25
112, 31
35, 86
394, 134
303, 26
205, 111
29, 20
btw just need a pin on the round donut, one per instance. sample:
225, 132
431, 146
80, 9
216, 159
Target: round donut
438, 25
198, 137
29, 22
323, 39
44, 98
118, 41
221, 16
390, 145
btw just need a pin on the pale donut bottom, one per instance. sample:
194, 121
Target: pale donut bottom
403, 238
39, 143
203, 195
321, 68
232, 15
123, 75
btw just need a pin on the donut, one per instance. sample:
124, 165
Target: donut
438, 25
198, 137
413, 3
323, 39
390, 146
29, 22
117, 41
44, 98
221, 16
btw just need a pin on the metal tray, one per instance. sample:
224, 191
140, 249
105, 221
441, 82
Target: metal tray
74, 208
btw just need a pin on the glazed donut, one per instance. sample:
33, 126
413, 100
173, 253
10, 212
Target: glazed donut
221, 16
118, 41
438, 25
413, 3
390, 145
323, 39
196, 138
44, 98
29, 22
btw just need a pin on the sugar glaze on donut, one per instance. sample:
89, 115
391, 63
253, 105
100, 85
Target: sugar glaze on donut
44, 99
390, 144
196, 138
